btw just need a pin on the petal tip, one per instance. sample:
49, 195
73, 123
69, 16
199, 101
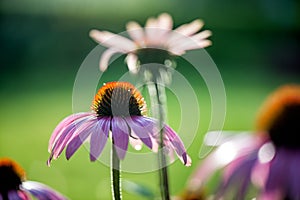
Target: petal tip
93, 158
186, 159
48, 163
93, 33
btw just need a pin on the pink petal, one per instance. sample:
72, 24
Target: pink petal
99, 138
41, 191
66, 136
177, 144
132, 62
151, 23
140, 132
184, 44
191, 28
206, 168
136, 32
65, 122
120, 135
105, 57
15, 195
271, 195
260, 173
112, 40
186, 158
165, 21
151, 32
234, 147
81, 135
202, 35
149, 125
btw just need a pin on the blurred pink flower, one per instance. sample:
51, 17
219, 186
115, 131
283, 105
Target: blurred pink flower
157, 34
269, 160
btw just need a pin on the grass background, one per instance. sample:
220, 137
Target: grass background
255, 46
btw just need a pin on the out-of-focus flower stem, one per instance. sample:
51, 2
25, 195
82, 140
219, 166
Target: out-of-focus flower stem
115, 174
163, 171
157, 98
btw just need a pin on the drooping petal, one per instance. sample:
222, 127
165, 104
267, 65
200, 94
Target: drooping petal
231, 145
294, 175
208, 166
132, 62
147, 123
112, 40
17, 195
68, 133
140, 131
260, 174
287, 184
65, 122
136, 32
238, 174
65, 137
177, 144
105, 57
135, 142
275, 181
81, 135
99, 137
150, 127
186, 157
120, 135
42, 191
239, 167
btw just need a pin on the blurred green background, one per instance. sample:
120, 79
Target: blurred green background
43, 43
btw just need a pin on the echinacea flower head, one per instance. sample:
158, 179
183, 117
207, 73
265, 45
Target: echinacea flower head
118, 111
279, 116
14, 186
268, 160
156, 40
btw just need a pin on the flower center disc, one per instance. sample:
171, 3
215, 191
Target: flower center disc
153, 55
119, 99
280, 116
11, 175
286, 128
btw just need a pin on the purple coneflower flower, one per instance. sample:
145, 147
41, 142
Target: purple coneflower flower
14, 186
119, 108
157, 34
268, 160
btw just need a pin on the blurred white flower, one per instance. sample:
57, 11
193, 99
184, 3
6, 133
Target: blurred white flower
157, 34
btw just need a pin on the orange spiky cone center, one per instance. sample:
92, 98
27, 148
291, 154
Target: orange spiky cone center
119, 99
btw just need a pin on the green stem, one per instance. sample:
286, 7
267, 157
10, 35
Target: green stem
115, 174
163, 172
